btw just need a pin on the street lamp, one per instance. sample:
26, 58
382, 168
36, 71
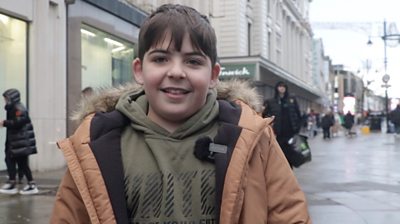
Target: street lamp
392, 35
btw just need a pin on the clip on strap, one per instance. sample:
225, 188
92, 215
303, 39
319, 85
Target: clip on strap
216, 148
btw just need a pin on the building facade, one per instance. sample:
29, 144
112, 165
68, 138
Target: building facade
322, 77
273, 37
348, 91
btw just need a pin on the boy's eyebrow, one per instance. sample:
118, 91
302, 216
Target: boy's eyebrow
158, 51
193, 53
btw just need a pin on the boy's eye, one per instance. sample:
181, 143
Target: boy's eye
159, 59
194, 61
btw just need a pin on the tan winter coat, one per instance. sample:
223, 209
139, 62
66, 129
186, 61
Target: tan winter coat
258, 186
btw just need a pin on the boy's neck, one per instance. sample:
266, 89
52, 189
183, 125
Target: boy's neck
169, 126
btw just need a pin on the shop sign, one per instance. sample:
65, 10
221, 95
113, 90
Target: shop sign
238, 71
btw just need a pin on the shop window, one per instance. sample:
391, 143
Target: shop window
13, 63
106, 59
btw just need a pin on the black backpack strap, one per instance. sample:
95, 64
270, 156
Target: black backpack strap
106, 130
220, 149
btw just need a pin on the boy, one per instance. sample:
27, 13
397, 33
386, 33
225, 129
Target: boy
169, 151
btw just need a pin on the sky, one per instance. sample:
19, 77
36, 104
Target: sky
345, 28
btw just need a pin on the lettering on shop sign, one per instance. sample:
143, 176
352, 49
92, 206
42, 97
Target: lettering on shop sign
238, 71
242, 71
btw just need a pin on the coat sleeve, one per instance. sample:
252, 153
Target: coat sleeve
18, 120
286, 201
298, 115
68, 206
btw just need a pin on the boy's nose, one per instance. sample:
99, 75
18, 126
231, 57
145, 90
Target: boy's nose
176, 71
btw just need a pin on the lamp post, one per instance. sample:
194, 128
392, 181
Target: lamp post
385, 79
393, 36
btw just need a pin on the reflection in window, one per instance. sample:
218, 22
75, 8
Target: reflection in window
13, 63
106, 59
13, 45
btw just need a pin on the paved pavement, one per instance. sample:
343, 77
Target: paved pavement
36, 209
349, 181
353, 180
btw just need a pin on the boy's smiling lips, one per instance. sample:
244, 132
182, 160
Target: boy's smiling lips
175, 90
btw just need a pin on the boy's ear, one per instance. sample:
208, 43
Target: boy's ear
137, 71
214, 75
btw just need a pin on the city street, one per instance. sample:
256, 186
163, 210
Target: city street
349, 181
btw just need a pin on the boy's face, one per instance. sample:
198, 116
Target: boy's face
176, 83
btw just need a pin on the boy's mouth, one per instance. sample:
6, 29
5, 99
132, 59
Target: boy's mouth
171, 90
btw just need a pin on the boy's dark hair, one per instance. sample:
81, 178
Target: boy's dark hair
178, 20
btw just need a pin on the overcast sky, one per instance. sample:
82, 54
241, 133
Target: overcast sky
354, 21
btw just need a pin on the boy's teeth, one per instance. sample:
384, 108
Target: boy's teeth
175, 91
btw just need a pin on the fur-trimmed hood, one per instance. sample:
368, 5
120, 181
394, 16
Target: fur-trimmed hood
105, 99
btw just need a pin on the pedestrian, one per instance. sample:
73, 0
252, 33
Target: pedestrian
20, 143
312, 126
304, 122
395, 118
336, 124
287, 117
348, 123
327, 122
173, 149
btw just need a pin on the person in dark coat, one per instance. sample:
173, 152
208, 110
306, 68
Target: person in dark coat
348, 123
287, 115
394, 117
20, 143
327, 122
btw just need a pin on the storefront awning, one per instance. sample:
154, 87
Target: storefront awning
264, 72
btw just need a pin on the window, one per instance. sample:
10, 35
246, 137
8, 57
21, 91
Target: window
278, 13
278, 49
106, 59
269, 45
270, 3
13, 62
13, 54
249, 38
